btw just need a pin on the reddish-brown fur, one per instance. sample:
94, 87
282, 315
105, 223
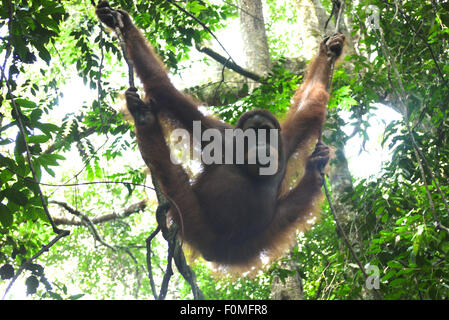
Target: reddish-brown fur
227, 215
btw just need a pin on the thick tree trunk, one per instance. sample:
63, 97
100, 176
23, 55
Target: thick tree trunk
254, 36
312, 19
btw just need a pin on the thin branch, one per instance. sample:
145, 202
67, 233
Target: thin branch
186, 271
160, 194
222, 78
339, 13
341, 9
99, 87
323, 278
134, 208
203, 25
125, 53
172, 241
331, 15
86, 221
345, 237
229, 64
437, 185
180, 261
80, 183
149, 266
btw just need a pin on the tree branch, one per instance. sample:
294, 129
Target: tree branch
85, 221
203, 25
229, 64
149, 266
345, 238
134, 208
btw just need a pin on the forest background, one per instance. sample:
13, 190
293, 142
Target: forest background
77, 205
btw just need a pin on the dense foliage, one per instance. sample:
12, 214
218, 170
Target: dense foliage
67, 153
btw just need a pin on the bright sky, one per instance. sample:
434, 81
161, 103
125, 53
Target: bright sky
368, 162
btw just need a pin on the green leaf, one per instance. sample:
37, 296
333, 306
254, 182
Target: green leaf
37, 169
6, 216
6, 141
55, 295
20, 145
6, 271
38, 139
379, 210
76, 296
7, 162
417, 239
44, 54
37, 213
5, 176
50, 159
394, 264
50, 171
445, 19
47, 128
397, 282
389, 274
16, 196
25, 103
32, 283
21, 49
195, 8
